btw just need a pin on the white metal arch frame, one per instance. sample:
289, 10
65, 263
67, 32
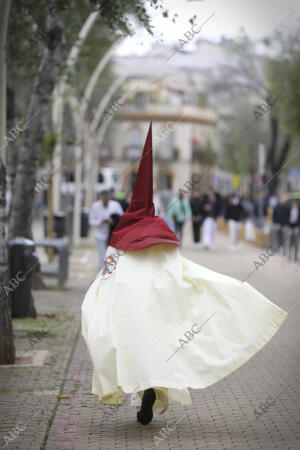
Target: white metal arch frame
58, 103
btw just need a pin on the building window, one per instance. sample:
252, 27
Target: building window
104, 151
133, 149
196, 149
131, 180
166, 146
100, 177
165, 180
140, 99
68, 176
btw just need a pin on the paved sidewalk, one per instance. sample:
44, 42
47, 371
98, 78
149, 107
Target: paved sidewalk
29, 394
256, 407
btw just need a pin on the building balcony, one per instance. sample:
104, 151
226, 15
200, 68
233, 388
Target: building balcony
105, 152
166, 154
132, 152
168, 112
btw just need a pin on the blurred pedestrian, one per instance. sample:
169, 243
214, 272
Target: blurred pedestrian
234, 214
260, 209
248, 205
249, 230
179, 211
294, 222
218, 205
122, 199
112, 194
102, 216
280, 220
166, 197
157, 204
197, 216
273, 201
211, 210
294, 214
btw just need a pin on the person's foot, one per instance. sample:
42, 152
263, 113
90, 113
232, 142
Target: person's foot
145, 415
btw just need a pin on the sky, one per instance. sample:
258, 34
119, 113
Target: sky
217, 17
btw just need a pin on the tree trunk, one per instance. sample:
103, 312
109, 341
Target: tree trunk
21, 213
4, 14
282, 157
58, 104
12, 150
7, 348
275, 162
284, 151
270, 160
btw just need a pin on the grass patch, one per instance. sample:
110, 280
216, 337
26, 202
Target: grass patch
27, 323
38, 334
46, 321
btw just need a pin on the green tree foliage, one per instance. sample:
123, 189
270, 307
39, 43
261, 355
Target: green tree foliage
238, 149
266, 86
26, 36
283, 73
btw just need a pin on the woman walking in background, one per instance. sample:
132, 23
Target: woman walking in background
179, 211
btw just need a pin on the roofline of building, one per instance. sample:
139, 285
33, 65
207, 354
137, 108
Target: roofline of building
167, 117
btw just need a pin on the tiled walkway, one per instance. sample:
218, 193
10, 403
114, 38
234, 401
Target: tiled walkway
256, 407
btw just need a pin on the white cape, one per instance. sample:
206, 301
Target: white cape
161, 320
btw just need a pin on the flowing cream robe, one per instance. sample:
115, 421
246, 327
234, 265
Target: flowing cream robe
159, 320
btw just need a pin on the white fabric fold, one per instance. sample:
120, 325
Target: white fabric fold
140, 324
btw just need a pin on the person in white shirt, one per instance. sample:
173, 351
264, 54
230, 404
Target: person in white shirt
157, 205
294, 214
100, 218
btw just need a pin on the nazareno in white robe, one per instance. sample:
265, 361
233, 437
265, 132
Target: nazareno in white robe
153, 318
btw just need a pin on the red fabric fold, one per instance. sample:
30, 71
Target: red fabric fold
138, 227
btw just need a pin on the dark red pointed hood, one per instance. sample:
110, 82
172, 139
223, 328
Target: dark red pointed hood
138, 227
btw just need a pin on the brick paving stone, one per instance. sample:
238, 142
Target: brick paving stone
221, 417
30, 390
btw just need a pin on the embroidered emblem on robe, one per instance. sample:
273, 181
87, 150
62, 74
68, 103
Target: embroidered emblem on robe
109, 266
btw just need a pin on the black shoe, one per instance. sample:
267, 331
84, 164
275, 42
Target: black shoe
145, 415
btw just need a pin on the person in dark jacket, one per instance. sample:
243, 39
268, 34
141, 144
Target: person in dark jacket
234, 214
280, 219
294, 222
197, 216
281, 212
217, 206
122, 199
